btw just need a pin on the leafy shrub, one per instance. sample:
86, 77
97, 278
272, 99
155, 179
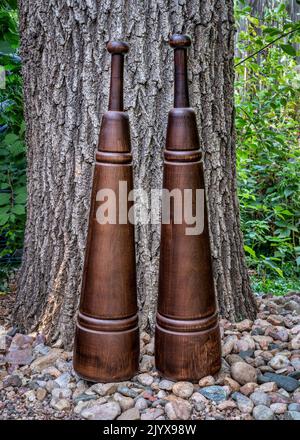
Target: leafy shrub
12, 151
268, 153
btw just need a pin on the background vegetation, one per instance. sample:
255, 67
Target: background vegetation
267, 121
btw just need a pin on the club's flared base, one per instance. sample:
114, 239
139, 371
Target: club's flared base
187, 355
106, 356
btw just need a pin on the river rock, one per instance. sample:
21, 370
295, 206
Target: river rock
145, 379
294, 407
215, 393
199, 401
60, 405
244, 326
292, 415
183, 389
262, 412
45, 361
19, 356
166, 385
279, 361
141, 403
285, 382
248, 388
244, 404
243, 373
232, 384
278, 408
206, 381
268, 387
295, 342
130, 414
228, 346
124, 402
263, 341
227, 404
260, 398
146, 363
12, 381
178, 410
106, 411
152, 414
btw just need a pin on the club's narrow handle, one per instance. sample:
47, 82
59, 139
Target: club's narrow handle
180, 43
118, 49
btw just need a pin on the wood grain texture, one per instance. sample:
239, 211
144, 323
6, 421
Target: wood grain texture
187, 337
106, 344
66, 71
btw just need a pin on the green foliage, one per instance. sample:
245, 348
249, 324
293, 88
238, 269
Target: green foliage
12, 145
268, 153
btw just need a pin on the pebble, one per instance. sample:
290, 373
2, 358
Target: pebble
45, 361
260, 398
294, 407
288, 383
183, 389
145, 379
245, 325
215, 393
152, 414
127, 391
106, 411
262, 412
199, 401
259, 377
244, 404
124, 402
61, 404
130, 414
243, 373
63, 380
292, 415
206, 381
41, 393
141, 404
166, 385
178, 410
278, 408
268, 387
248, 388
227, 404
279, 361
295, 342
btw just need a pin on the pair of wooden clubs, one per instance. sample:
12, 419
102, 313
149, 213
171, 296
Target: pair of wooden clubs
187, 337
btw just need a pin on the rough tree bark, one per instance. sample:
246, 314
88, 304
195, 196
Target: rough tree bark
66, 78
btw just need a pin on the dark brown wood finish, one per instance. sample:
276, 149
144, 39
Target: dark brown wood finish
106, 345
187, 339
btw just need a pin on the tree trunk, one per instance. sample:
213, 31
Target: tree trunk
66, 79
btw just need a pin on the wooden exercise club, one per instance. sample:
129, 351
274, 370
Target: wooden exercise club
187, 337
106, 347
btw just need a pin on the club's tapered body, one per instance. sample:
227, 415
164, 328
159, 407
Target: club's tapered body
107, 338
187, 337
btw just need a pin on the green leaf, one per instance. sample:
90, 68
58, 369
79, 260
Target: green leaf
18, 209
4, 199
4, 218
289, 49
250, 251
21, 198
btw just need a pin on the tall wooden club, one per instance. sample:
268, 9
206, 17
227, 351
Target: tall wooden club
187, 339
107, 337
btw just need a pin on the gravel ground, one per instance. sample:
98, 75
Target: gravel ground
259, 378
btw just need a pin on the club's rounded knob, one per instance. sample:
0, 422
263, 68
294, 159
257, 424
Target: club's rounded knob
180, 41
117, 47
